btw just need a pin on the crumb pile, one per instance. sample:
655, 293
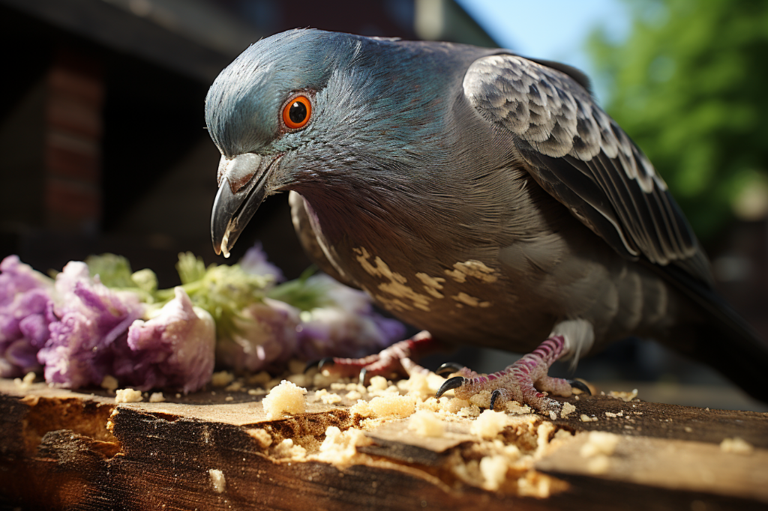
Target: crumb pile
494, 450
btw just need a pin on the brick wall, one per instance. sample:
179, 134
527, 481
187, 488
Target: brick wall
72, 146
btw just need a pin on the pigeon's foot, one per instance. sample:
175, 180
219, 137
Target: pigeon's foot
397, 360
525, 381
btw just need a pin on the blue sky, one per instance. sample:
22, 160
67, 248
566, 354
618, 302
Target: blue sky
550, 29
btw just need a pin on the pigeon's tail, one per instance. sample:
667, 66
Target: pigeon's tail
726, 342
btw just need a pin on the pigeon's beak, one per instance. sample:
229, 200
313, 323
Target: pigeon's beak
241, 191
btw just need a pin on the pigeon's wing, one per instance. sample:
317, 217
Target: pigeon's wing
578, 154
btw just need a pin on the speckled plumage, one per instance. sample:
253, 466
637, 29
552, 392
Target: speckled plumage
475, 194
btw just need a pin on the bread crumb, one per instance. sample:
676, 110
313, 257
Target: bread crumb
421, 385
543, 432
585, 418
482, 399
178, 395
287, 449
426, 423
217, 479
614, 415
234, 386
377, 384
736, 445
455, 405
128, 396
229, 398
688, 429
599, 442
353, 395
362, 408
553, 415
284, 398
393, 405
340, 447
324, 378
26, 382
517, 408
156, 397
253, 392
624, 396
326, 397
299, 379
494, 471
260, 378
263, 438
470, 411
489, 424
432, 404
109, 383
222, 378
598, 464
568, 409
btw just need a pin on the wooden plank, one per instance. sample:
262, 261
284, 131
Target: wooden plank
57, 452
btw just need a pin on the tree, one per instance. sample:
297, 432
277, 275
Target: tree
690, 86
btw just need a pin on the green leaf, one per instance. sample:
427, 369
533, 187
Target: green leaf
146, 280
302, 293
113, 270
190, 268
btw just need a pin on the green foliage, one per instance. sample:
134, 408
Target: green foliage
689, 86
303, 293
113, 270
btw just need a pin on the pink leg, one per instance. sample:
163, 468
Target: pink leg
521, 381
394, 360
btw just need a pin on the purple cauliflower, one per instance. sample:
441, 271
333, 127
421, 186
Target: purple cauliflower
255, 262
24, 298
173, 349
85, 323
346, 327
264, 337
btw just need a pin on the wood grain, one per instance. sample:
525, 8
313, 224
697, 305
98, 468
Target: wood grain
69, 450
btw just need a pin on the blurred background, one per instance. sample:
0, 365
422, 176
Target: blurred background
103, 146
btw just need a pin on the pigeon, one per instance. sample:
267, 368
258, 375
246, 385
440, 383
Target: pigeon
477, 195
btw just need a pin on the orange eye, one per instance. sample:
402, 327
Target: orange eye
297, 112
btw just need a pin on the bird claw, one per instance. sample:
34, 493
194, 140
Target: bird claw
526, 381
318, 364
394, 360
449, 368
495, 395
576, 384
453, 383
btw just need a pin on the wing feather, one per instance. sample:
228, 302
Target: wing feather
581, 156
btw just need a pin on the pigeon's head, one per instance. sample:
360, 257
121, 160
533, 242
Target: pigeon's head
305, 109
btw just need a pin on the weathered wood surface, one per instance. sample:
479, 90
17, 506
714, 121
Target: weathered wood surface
56, 452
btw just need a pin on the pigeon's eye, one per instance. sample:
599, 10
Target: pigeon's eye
297, 112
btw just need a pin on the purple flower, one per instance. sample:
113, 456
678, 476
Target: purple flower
173, 349
255, 261
333, 331
87, 319
347, 327
24, 298
264, 337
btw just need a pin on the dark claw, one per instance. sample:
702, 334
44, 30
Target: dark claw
449, 368
314, 364
320, 364
363, 373
453, 383
576, 384
494, 396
